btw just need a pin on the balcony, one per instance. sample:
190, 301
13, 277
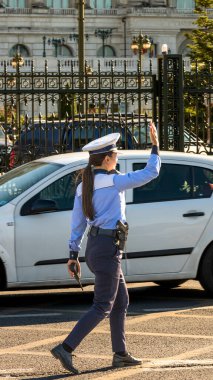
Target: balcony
67, 64
50, 11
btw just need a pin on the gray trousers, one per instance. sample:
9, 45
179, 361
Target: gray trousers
110, 293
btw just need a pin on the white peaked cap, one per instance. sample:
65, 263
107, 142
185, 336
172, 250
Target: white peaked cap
103, 144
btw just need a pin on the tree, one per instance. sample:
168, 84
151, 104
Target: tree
202, 38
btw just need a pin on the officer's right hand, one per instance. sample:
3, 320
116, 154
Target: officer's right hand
153, 134
76, 262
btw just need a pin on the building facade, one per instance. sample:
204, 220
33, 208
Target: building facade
48, 29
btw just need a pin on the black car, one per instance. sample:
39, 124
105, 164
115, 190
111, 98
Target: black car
44, 139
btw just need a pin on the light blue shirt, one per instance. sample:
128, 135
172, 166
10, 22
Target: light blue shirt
109, 199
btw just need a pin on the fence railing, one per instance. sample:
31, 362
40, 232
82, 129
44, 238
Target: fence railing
47, 112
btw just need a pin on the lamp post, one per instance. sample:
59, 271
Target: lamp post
56, 42
75, 36
16, 63
44, 46
140, 45
103, 34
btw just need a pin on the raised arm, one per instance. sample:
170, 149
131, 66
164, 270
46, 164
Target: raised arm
141, 177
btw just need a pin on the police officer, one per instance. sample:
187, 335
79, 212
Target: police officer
100, 202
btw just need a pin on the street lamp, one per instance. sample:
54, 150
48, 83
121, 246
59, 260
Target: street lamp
17, 61
75, 36
56, 42
140, 45
103, 34
44, 46
164, 49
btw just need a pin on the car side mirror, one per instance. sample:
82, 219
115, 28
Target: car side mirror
43, 205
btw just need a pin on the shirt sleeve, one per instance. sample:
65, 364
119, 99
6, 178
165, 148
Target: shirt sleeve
139, 177
78, 225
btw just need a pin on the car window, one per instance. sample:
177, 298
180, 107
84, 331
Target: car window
203, 182
2, 135
175, 182
62, 192
22, 178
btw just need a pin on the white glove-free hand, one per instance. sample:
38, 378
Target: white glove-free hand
153, 134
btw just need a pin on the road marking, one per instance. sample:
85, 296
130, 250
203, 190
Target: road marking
103, 330
38, 343
166, 309
159, 366
193, 353
147, 317
29, 315
16, 371
192, 316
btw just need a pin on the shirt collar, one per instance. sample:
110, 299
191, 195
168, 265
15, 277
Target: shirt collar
104, 171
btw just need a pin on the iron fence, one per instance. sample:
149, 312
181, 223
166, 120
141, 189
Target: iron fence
185, 105
198, 111
50, 112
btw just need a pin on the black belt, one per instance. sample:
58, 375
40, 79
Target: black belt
94, 231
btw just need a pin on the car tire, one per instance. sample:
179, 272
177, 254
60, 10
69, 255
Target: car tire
205, 274
170, 283
2, 276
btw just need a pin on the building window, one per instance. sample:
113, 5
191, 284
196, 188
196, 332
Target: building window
15, 3
19, 49
100, 4
58, 4
64, 51
185, 4
108, 51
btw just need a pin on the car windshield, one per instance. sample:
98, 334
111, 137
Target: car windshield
2, 135
22, 178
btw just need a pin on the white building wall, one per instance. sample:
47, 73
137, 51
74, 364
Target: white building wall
27, 26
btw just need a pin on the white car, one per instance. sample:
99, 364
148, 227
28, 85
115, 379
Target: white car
171, 223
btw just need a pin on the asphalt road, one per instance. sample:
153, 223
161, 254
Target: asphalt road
172, 330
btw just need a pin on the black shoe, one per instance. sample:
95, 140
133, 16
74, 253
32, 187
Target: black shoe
125, 361
65, 358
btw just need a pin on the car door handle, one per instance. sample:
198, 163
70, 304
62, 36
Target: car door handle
191, 214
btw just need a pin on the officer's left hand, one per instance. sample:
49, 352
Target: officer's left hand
78, 267
153, 134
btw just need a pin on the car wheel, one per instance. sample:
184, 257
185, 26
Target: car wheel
205, 275
2, 276
170, 283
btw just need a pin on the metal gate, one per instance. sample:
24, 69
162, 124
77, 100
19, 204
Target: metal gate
185, 105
